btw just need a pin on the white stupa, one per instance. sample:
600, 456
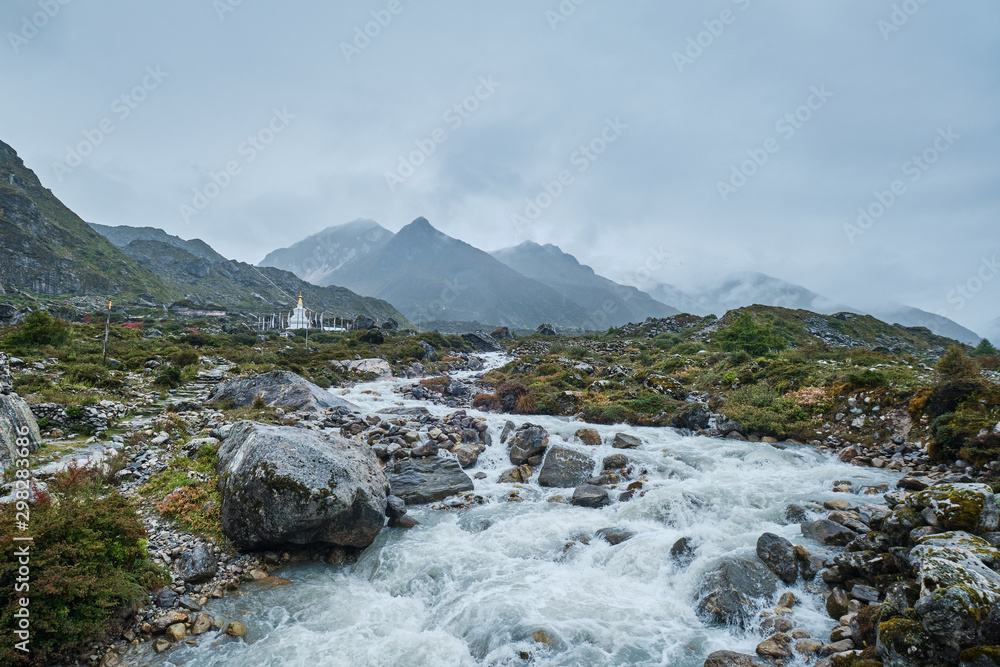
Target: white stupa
299, 319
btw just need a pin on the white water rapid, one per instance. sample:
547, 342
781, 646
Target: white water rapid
472, 587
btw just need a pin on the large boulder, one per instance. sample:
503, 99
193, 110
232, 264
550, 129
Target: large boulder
959, 587
369, 368
733, 591
565, 468
482, 341
528, 441
779, 555
18, 429
903, 642
968, 507
427, 480
284, 485
278, 388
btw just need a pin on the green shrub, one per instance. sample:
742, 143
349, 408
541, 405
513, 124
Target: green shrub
73, 411
187, 357
750, 336
87, 374
39, 329
665, 341
868, 378
760, 409
169, 377
89, 567
605, 414
955, 365
199, 339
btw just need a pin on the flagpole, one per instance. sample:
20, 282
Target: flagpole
107, 329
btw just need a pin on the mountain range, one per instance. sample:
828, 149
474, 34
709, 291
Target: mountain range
432, 277
363, 268
50, 251
743, 289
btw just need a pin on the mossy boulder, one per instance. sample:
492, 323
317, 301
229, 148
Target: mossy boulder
853, 659
968, 507
981, 656
284, 485
958, 589
904, 643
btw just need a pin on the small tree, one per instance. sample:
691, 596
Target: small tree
985, 349
750, 336
955, 365
40, 329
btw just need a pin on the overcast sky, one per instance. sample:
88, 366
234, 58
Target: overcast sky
832, 100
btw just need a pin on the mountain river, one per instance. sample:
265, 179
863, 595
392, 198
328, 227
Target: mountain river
472, 587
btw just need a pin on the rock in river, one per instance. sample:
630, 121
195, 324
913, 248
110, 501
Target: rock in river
828, 532
588, 495
730, 592
427, 480
289, 485
565, 468
528, 441
779, 555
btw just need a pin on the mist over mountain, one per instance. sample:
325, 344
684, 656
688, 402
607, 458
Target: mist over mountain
747, 288
316, 258
609, 303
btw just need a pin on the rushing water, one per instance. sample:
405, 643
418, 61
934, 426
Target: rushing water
472, 587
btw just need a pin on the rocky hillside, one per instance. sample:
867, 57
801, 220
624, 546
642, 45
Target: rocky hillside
609, 303
430, 276
317, 257
122, 235
193, 271
743, 289
48, 249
